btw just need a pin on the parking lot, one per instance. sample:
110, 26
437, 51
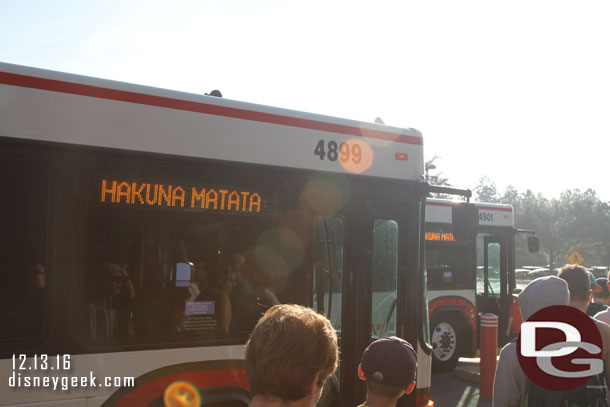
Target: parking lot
459, 388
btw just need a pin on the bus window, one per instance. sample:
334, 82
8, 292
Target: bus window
384, 278
480, 250
494, 268
447, 267
135, 259
328, 268
494, 254
238, 271
328, 287
24, 220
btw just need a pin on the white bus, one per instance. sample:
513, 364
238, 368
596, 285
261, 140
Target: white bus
466, 278
144, 231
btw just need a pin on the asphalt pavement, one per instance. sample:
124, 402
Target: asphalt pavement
459, 388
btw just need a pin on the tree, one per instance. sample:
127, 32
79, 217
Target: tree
511, 196
438, 178
575, 221
585, 222
486, 190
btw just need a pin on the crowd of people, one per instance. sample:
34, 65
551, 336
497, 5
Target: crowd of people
228, 297
575, 287
293, 351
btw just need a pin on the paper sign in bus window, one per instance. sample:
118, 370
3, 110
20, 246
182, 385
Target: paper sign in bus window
447, 277
200, 308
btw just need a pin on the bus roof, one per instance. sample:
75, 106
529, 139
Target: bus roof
490, 214
59, 107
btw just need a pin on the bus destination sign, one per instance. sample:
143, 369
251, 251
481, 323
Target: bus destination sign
178, 196
440, 237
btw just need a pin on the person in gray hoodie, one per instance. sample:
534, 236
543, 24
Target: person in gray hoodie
510, 383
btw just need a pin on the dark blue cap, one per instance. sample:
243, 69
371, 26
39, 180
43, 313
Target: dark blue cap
391, 361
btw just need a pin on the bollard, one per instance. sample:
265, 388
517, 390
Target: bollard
489, 349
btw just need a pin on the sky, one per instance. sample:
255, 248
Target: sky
515, 91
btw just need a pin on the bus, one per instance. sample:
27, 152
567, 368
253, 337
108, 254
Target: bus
468, 278
144, 231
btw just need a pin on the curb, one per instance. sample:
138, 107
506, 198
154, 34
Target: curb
469, 375
468, 369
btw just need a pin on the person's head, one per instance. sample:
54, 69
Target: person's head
38, 276
199, 275
230, 273
236, 266
388, 366
541, 293
579, 285
291, 353
601, 292
114, 277
236, 262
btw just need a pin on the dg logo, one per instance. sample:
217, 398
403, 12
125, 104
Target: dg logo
560, 348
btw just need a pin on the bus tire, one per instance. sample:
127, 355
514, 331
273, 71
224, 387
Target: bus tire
445, 337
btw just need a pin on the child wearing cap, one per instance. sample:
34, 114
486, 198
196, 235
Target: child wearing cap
601, 292
602, 295
597, 304
388, 367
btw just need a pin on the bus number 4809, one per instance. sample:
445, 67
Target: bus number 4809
344, 151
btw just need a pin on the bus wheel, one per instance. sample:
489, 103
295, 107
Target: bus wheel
445, 345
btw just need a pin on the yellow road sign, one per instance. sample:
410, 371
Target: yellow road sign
575, 258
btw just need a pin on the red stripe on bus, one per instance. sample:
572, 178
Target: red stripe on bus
438, 203
198, 107
486, 208
466, 306
148, 393
493, 208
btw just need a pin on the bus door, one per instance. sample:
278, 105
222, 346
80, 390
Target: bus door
493, 291
360, 284
376, 267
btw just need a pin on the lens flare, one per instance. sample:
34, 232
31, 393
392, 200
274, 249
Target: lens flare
356, 155
181, 394
326, 194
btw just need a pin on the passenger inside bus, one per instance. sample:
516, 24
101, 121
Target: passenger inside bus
226, 280
29, 309
255, 292
110, 309
235, 273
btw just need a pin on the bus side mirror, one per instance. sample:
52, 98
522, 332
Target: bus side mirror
465, 220
533, 244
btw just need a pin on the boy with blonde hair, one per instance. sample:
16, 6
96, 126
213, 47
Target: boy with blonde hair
289, 356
